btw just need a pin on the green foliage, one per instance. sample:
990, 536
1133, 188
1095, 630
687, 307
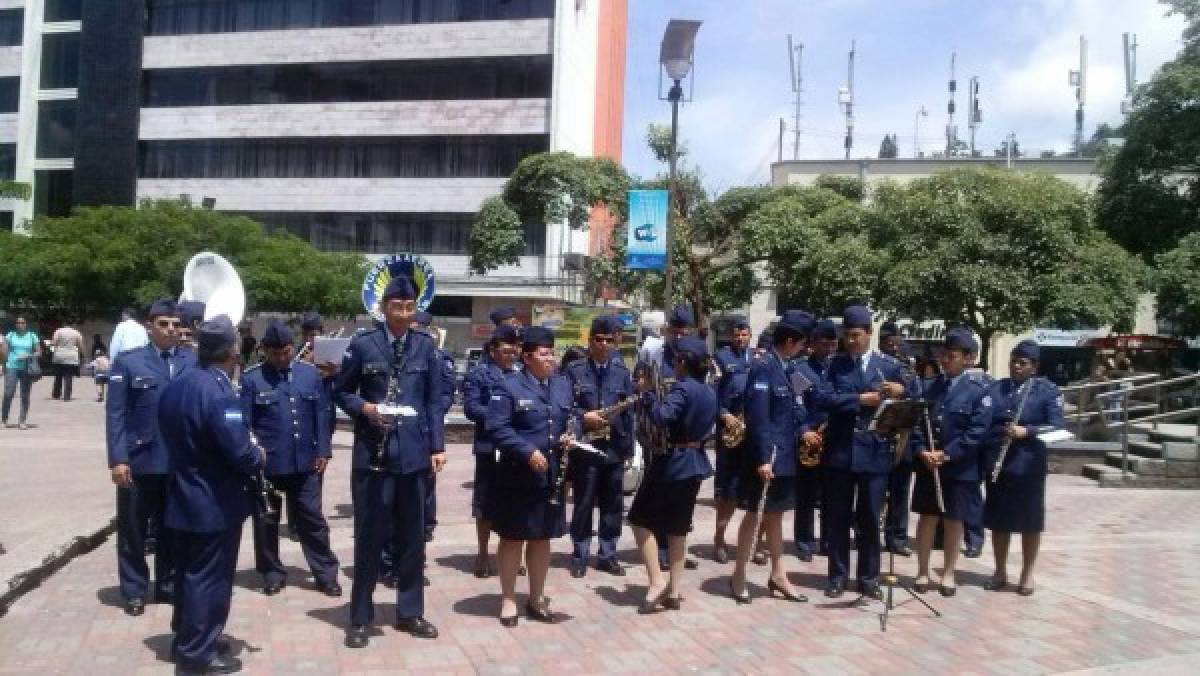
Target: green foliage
888, 149
497, 237
1177, 281
846, 186
1150, 196
101, 259
552, 187
1000, 251
658, 139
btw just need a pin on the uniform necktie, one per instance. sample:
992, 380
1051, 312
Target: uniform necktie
166, 357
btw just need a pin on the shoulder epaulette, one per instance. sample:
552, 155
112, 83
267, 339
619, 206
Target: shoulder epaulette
252, 369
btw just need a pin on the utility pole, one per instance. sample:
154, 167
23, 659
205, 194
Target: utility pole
795, 60
1010, 143
974, 113
921, 112
951, 128
846, 99
1130, 53
1078, 80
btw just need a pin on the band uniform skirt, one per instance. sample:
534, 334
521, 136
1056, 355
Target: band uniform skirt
725, 481
1016, 504
962, 498
520, 506
664, 506
781, 494
482, 487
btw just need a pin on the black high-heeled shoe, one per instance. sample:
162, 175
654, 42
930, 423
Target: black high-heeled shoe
742, 599
921, 587
540, 613
787, 595
653, 605
510, 622
672, 602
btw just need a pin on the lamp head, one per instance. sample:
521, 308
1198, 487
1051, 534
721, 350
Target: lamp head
678, 44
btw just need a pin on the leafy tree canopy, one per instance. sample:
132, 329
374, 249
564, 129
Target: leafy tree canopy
1177, 281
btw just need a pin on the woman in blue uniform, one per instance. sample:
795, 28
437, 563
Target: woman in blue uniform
960, 412
1016, 501
666, 498
527, 419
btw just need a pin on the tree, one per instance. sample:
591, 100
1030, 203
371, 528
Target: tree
1177, 282
999, 251
888, 149
1100, 143
846, 186
1149, 198
101, 259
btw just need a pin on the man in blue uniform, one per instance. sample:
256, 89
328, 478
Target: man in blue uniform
505, 315
895, 530
734, 362
812, 367
598, 381
191, 313
137, 458
212, 461
501, 353
390, 383
856, 461
422, 322
284, 404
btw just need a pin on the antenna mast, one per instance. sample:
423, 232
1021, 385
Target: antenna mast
795, 60
951, 128
1130, 52
1079, 81
846, 99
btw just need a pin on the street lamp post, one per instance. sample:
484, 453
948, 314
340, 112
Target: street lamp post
921, 112
676, 59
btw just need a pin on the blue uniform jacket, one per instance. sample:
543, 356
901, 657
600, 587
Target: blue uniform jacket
732, 385
775, 413
524, 417
961, 414
211, 455
449, 386
849, 443
366, 368
477, 388
689, 412
288, 414
1043, 413
593, 391
135, 384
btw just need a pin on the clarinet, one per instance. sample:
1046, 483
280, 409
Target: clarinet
762, 499
263, 490
558, 496
937, 471
378, 462
1027, 387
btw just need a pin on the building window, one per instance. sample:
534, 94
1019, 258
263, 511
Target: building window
10, 94
12, 26
56, 129
60, 61
8, 161
52, 192
6, 221
178, 17
385, 233
376, 157
62, 10
517, 77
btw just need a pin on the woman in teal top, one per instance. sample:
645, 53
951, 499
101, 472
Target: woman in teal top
20, 345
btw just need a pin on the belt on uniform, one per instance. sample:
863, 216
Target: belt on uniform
686, 444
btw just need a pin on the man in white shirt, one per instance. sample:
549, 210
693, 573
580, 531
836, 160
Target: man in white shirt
128, 335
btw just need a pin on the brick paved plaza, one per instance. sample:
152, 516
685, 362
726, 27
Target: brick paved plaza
1118, 589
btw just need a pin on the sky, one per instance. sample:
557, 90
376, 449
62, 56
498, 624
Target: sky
1021, 50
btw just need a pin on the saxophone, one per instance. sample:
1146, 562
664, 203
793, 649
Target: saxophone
810, 454
733, 431
607, 412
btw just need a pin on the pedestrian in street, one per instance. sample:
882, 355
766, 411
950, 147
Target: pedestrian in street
960, 412
283, 402
599, 380
528, 419
666, 498
21, 351
100, 368
394, 450
138, 460
776, 419
1016, 501
212, 461
66, 348
734, 362
129, 334
98, 345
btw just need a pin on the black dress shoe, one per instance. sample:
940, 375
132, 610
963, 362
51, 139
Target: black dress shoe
651, 606
135, 607
611, 566
900, 550
482, 569
870, 590
578, 569
510, 622
973, 552
220, 664
388, 580
743, 599
823, 549
835, 590
1025, 591
164, 596
417, 626
540, 613
272, 588
429, 536
804, 555
691, 564
672, 602
356, 636
720, 553
947, 591
787, 595
759, 558
330, 588
921, 587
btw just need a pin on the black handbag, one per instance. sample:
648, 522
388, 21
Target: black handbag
34, 369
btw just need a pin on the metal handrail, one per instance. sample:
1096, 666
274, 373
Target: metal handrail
1107, 383
1154, 418
1195, 377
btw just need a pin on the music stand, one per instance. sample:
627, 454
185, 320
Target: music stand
896, 417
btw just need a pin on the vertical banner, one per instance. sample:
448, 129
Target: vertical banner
646, 244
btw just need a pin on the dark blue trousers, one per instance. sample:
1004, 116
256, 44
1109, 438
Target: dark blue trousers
388, 506
600, 486
303, 494
144, 500
895, 529
853, 498
204, 586
430, 502
808, 497
973, 532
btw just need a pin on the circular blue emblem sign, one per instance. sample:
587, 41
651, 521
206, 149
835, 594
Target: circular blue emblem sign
408, 265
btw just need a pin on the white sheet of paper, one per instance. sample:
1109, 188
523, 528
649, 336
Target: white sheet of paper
329, 349
405, 411
1055, 436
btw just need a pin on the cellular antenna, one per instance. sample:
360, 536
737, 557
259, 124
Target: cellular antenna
951, 128
796, 62
846, 99
1078, 80
1130, 53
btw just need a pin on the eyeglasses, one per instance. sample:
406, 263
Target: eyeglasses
604, 339
167, 323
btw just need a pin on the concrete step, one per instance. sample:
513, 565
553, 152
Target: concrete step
1101, 472
1138, 464
1146, 449
1172, 432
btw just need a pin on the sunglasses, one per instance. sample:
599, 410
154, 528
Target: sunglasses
167, 323
604, 339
